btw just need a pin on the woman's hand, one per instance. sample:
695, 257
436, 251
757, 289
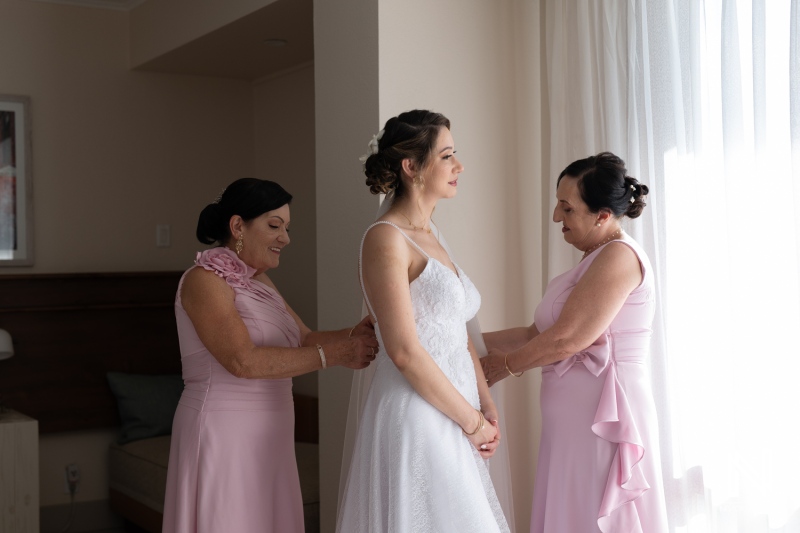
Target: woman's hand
487, 439
360, 347
359, 351
494, 366
365, 327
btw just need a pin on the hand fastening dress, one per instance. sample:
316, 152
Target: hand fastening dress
232, 466
413, 470
599, 464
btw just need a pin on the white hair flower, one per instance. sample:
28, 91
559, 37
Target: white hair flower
373, 146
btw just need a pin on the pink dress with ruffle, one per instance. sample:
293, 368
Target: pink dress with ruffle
232, 466
599, 464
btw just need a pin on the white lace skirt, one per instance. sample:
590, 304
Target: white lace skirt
413, 470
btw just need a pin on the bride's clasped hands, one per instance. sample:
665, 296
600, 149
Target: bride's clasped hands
486, 438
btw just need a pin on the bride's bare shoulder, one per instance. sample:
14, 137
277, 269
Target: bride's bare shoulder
385, 240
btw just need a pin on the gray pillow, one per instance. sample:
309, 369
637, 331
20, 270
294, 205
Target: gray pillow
146, 403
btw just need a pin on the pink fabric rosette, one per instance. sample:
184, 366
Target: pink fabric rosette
225, 264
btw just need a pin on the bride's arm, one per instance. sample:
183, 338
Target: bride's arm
487, 402
386, 259
508, 340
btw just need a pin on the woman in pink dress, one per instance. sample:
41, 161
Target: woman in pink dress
599, 465
232, 466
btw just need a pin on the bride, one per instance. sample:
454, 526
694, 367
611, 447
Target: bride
428, 422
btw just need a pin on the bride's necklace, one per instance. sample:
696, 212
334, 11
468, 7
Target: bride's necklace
414, 226
596, 246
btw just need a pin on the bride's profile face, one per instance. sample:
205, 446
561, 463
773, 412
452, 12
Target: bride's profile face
441, 176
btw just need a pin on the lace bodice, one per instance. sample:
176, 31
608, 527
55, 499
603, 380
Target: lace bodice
443, 304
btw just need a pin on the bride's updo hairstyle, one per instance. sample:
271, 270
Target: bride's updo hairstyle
604, 183
410, 135
247, 197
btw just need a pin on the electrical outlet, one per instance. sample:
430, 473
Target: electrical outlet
72, 477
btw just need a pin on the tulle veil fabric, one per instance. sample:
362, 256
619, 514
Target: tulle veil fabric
499, 464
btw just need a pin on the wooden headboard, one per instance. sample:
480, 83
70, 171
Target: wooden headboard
70, 329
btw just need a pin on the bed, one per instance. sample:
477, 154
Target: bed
138, 469
72, 334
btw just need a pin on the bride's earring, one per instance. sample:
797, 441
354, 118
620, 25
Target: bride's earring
240, 244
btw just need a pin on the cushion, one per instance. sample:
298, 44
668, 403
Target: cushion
146, 403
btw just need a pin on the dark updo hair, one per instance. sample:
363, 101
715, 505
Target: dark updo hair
247, 197
410, 135
604, 183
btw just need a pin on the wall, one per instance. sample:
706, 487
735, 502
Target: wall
346, 81
114, 153
284, 152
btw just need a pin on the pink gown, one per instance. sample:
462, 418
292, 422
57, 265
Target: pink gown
232, 466
599, 464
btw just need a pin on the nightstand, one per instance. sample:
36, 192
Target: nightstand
19, 472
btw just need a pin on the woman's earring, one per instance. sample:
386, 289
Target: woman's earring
598, 225
240, 243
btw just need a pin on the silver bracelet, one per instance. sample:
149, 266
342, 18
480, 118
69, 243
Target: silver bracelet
322, 356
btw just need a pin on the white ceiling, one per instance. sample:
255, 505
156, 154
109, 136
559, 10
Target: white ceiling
236, 50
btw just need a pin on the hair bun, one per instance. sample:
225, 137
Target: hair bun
209, 224
638, 193
381, 178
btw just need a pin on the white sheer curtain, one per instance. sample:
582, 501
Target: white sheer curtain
702, 100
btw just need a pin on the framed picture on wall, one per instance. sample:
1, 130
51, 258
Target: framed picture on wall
16, 201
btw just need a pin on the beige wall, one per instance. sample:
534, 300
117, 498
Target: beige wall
116, 152
471, 81
87, 449
346, 80
284, 153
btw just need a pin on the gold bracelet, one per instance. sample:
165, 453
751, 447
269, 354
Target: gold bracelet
322, 357
351, 331
480, 425
509, 370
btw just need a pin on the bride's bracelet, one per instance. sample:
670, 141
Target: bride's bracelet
480, 425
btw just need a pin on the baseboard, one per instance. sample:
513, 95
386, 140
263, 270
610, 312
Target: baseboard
87, 516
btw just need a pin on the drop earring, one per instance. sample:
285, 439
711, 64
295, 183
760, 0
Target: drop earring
240, 244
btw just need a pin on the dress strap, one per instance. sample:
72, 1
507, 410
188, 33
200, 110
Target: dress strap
361, 250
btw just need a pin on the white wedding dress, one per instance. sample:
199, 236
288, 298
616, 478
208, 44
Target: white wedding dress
413, 469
